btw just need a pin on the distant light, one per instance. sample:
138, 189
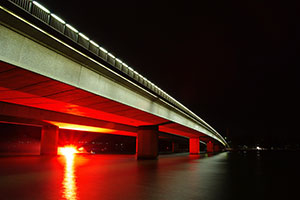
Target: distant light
130, 68
72, 28
58, 19
81, 149
41, 7
118, 60
124, 64
104, 50
258, 148
111, 55
94, 43
85, 37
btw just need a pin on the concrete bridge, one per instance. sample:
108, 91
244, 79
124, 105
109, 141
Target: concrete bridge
53, 76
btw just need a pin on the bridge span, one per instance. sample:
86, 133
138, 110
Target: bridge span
53, 76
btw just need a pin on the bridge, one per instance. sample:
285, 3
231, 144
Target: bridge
55, 77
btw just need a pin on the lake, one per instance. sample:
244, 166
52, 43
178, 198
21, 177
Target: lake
228, 175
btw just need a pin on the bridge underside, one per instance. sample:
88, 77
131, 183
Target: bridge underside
30, 98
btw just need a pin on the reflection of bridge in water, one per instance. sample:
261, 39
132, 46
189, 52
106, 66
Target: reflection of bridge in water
53, 76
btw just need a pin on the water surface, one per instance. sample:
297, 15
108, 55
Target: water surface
254, 175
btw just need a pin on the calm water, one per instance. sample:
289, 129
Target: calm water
265, 175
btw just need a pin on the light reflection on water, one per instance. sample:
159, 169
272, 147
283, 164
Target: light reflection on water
69, 182
226, 176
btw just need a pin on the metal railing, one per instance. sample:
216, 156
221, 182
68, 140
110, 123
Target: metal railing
43, 14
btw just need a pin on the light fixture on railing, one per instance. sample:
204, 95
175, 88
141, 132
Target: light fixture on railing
102, 49
118, 60
130, 68
94, 43
111, 55
58, 18
72, 28
83, 36
41, 7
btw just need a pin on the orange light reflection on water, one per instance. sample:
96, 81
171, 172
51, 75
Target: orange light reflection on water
69, 182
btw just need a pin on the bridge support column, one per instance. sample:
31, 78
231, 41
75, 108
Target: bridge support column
209, 147
194, 145
147, 142
49, 140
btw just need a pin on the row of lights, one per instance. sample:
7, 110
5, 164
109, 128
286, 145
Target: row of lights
71, 27
101, 48
92, 42
112, 56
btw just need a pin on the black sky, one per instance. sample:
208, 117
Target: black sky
231, 62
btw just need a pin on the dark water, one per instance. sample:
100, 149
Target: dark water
264, 175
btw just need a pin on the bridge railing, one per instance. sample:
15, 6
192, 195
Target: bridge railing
43, 14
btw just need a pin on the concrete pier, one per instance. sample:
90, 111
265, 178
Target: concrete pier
49, 140
147, 142
210, 147
194, 145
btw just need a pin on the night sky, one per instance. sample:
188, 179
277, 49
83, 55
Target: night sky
233, 63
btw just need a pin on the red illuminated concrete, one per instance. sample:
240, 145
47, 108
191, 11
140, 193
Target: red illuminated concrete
194, 145
30, 115
147, 142
210, 147
49, 140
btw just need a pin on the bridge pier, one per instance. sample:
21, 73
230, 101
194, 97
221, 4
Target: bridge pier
49, 140
147, 142
194, 145
210, 147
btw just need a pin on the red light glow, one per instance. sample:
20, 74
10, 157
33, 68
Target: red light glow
69, 183
78, 127
67, 151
